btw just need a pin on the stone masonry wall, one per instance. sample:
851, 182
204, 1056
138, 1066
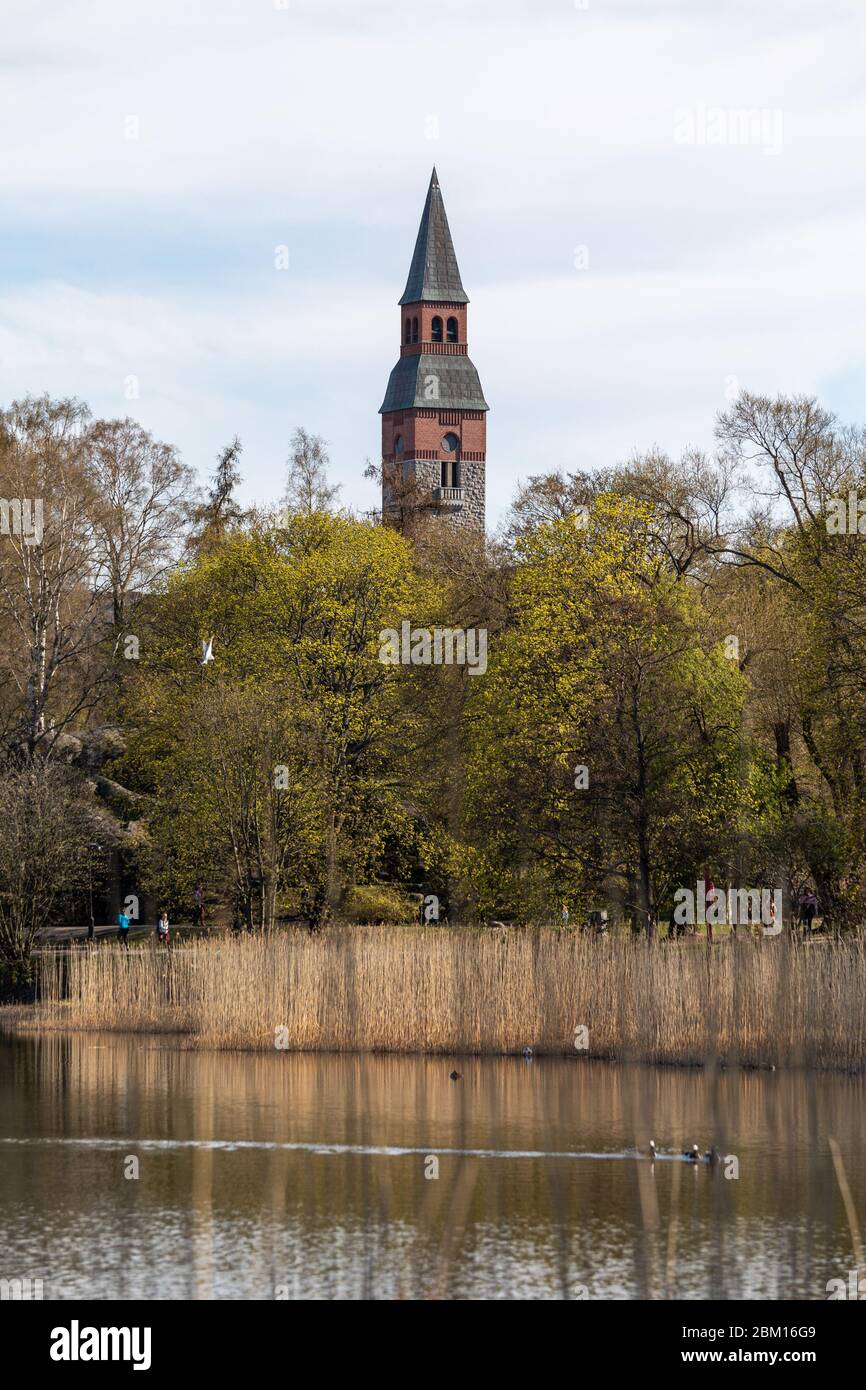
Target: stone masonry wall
469, 515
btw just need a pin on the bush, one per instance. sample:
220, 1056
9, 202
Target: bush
16, 986
379, 904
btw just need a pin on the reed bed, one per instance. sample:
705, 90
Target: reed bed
748, 1002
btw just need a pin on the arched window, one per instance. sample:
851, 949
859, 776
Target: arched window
436, 329
415, 330
398, 444
407, 332
452, 330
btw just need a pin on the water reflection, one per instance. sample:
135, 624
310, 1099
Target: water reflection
322, 1181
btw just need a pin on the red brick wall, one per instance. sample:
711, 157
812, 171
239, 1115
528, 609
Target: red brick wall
425, 314
423, 430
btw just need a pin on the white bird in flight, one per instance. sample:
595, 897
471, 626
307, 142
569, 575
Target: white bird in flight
207, 651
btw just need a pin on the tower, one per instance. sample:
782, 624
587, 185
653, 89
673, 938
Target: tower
434, 431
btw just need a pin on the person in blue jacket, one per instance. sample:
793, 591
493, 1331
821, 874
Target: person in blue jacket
123, 928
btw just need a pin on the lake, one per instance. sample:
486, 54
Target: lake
131, 1168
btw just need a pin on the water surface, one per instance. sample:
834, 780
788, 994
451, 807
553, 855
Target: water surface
313, 1176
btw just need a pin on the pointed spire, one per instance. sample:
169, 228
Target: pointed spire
434, 273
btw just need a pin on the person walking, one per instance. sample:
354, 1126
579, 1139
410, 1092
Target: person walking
710, 900
163, 935
808, 908
123, 929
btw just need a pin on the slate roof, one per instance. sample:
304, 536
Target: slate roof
433, 381
434, 273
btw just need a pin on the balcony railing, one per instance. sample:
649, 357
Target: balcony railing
428, 346
448, 496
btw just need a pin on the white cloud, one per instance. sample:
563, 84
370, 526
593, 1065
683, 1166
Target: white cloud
556, 128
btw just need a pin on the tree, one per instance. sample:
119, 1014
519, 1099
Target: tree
234, 803
547, 497
142, 493
688, 502
307, 486
605, 746
804, 464
220, 514
52, 589
43, 855
275, 764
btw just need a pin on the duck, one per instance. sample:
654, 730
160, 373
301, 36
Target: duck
527, 1054
652, 1150
456, 1076
693, 1155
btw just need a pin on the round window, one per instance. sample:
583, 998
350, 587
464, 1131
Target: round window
450, 443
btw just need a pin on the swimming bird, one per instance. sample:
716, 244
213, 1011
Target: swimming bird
456, 1076
693, 1155
527, 1053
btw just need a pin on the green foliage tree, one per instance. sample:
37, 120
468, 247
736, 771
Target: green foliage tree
607, 742
812, 575
272, 767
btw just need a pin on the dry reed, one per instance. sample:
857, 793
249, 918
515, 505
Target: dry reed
751, 1002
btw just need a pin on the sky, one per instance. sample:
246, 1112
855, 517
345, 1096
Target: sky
653, 205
